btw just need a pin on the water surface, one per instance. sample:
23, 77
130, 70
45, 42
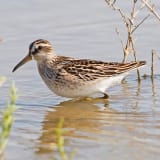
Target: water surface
127, 127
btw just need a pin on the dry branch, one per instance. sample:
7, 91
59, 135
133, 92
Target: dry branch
130, 25
151, 8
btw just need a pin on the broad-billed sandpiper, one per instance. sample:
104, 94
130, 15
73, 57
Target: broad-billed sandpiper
75, 78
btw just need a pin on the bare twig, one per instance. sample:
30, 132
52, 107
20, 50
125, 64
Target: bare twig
158, 56
112, 5
121, 41
151, 9
152, 65
142, 21
130, 25
134, 53
152, 72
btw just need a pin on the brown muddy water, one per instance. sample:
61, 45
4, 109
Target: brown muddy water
126, 128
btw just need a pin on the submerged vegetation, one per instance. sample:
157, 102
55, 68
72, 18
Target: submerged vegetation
7, 119
60, 141
7, 123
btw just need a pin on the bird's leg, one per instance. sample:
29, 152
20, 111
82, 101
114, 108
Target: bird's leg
106, 96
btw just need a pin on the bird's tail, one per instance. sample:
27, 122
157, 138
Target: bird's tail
131, 66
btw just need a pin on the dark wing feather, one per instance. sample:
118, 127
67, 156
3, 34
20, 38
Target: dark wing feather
91, 69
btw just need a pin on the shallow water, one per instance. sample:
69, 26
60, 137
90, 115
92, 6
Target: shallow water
126, 127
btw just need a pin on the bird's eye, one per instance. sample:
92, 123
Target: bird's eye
40, 47
34, 52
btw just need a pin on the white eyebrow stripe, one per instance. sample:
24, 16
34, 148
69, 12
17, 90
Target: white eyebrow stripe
42, 44
34, 47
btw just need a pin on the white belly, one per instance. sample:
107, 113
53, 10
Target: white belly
84, 90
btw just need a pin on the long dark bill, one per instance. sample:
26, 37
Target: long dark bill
23, 61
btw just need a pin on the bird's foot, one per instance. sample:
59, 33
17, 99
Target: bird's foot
106, 96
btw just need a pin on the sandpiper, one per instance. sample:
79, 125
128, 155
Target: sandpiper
75, 78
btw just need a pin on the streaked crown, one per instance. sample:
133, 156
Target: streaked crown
40, 46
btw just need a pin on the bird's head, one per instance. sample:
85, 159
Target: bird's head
38, 50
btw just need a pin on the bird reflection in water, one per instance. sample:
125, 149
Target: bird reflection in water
80, 118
